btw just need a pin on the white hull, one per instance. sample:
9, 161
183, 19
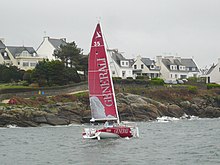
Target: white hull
92, 133
101, 135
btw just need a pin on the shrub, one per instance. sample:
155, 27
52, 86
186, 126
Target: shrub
140, 77
116, 78
130, 78
192, 89
156, 81
211, 86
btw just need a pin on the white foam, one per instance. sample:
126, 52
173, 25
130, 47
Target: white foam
11, 126
165, 119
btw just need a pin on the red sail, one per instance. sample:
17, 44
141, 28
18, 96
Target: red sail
102, 99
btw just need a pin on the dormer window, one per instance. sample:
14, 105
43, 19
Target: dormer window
5, 54
173, 67
25, 53
152, 67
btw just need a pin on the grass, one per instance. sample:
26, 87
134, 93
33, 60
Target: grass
11, 86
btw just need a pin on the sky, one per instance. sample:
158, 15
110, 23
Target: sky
185, 28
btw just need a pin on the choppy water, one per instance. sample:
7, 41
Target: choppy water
191, 142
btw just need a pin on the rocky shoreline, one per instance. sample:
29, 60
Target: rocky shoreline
41, 111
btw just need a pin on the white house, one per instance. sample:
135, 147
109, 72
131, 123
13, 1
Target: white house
23, 57
145, 66
213, 74
4, 57
173, 68
47, 47
119, 65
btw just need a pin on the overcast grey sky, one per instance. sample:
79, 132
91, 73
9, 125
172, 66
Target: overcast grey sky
190, 28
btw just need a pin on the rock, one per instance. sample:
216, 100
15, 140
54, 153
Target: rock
55, 120
210, 112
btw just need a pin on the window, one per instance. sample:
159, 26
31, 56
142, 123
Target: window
127, 63
113, 72
135, 66
171, 75
142, 66
175, 75
25, 63
122, 63
18, 63
33, 64
25, 53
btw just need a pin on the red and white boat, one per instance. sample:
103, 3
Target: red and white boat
102, 96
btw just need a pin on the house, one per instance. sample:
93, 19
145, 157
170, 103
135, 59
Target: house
213, 74
47, 47
4, 57
23, 57
119, 65
145, 67
173, 68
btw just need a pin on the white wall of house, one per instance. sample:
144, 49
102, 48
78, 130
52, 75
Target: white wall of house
165, 73
46, 49
28, 63
139, 65
13, 60
214, 76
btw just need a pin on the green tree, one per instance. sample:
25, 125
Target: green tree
48, 73
10, 74
69, 54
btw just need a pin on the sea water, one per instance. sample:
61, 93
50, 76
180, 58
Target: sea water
168, 142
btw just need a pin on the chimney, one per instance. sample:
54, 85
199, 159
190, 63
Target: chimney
46, 37
158, 60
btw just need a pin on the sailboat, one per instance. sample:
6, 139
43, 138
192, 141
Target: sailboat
102, 96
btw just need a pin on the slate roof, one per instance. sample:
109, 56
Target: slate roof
147, 61
2, 51
117, 57
211, 69
188, 63
2, 46
16, 50
56, 42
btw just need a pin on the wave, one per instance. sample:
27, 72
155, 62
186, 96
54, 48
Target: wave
165, 119
12, 126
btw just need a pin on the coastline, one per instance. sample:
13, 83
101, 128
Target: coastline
74, 108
